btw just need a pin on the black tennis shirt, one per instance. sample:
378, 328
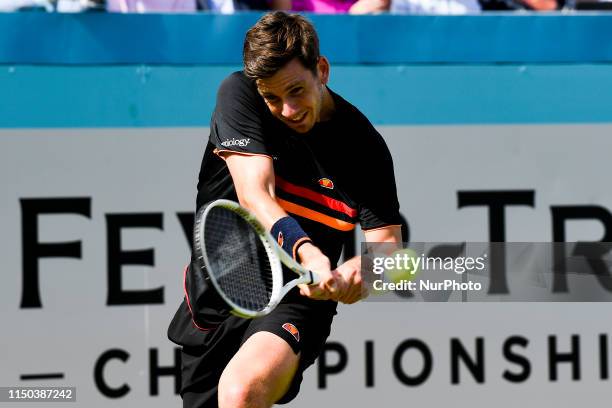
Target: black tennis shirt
338, 174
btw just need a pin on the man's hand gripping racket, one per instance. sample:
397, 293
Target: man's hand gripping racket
242, 259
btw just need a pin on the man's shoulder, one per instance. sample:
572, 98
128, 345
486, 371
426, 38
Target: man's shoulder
360, 137
238, 94
236, 83
236, 78
349, 113
350, 116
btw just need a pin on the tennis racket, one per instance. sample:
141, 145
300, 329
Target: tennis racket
242, 259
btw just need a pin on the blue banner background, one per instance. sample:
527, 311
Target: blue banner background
113, 70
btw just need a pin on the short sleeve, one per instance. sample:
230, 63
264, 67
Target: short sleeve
238, 121
379, 206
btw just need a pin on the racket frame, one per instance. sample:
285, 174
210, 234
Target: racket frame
276, 256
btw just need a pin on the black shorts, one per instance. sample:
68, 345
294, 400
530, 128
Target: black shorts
303, 323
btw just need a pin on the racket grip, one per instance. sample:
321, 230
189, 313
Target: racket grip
314, 278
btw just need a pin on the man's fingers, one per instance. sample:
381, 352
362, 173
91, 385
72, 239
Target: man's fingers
314, 292
345, 287
333, 283
352, 296
355, 288
330, 286
365, 292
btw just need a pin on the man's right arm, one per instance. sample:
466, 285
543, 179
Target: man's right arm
253, 177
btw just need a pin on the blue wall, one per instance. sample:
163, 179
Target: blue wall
100, 70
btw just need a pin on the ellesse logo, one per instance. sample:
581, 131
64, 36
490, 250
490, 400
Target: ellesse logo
326, 183
293, 330
280, 239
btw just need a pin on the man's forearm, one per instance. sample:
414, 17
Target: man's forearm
263, 205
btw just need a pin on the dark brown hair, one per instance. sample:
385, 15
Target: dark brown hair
276, 39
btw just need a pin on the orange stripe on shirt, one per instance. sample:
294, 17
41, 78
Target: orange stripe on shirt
315, 216
316, 197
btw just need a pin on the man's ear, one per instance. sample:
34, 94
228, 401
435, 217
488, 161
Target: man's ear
323, 70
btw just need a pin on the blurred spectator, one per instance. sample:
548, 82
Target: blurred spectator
15, 5
229, 6
536, 5
471, 6
588, 5
540, 5
370, 6
63, 6
77, 6
151, 6
435, 6
332, 6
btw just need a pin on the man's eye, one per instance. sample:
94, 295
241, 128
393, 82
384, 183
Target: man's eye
297, 91
271, 98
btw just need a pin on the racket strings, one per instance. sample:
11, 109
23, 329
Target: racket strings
238, 259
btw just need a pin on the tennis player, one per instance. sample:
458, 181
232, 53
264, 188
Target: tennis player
310, 166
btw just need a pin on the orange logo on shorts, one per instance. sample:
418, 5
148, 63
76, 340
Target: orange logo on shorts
293, 330
280, 239
326, 183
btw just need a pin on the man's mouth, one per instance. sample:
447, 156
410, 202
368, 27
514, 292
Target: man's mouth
297, 119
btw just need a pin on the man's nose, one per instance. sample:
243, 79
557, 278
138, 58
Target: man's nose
289, 109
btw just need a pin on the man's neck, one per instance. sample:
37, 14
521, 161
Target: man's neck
328, 107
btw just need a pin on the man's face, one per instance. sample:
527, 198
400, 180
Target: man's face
294, 94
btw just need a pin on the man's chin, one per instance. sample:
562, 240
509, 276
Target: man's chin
304, 127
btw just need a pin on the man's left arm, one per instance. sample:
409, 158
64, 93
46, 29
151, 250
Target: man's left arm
376, 195
350, 271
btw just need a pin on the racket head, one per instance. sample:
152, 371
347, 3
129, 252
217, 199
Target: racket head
238, 255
